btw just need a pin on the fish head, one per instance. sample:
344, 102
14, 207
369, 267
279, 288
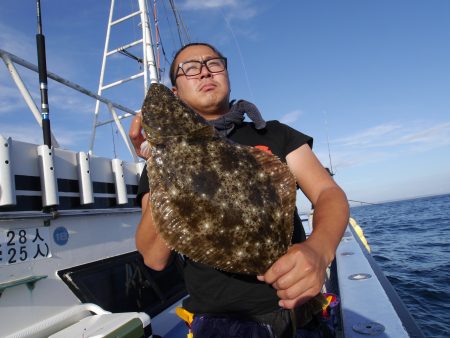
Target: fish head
165, 116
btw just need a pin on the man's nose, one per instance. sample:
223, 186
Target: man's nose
204, 72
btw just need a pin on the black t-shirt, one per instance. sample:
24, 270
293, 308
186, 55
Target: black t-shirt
214, 291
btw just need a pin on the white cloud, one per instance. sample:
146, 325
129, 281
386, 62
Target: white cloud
394, 134
10, 100
245, 12
68, 100
238, 9
385, 142
347, 158
16, 42
24, 46
369, 136
70, 138
438, 134
208, 4
291, 117
30, 133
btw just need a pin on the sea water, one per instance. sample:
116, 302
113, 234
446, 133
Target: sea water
410, 240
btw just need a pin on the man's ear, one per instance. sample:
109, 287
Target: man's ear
175, 90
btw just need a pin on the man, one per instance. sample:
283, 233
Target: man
200, 78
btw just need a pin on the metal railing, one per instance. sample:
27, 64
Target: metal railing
11, 59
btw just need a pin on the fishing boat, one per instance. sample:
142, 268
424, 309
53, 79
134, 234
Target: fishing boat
68, 261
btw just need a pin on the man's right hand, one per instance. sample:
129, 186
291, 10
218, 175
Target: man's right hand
137, 138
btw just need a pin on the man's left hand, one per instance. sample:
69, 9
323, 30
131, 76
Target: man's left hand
298, 275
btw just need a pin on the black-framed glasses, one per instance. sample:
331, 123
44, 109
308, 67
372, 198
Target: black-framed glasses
213, 65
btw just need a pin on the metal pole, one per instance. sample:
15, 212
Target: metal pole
42, 65
149, 58
100, 84
25, 93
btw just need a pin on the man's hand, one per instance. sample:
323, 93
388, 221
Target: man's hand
298, 275
137, 138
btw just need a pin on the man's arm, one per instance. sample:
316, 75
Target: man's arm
149, 243
300, 273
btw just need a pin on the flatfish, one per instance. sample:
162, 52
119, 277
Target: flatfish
223, 204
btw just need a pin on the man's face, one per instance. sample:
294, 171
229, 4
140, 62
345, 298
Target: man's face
207, 93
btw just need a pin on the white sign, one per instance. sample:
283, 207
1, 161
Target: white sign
22, 245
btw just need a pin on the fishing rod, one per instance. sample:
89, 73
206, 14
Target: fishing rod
362, 202
48, 179
42, 67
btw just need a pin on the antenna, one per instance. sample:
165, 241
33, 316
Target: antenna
328, 144
238, 48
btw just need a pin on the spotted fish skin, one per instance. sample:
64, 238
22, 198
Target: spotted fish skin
219, 203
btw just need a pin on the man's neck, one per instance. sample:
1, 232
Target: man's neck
209, 116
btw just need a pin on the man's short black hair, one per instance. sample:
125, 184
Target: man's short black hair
174, 67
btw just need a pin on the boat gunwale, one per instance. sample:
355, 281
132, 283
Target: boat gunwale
408, 322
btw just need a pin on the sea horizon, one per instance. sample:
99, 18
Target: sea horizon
357, 204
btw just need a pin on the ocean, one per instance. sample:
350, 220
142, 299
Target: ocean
410, 240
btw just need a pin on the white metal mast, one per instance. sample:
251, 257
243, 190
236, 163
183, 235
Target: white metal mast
149, 58
149, 73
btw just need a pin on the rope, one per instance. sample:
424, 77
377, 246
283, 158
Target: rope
178, 19
186, 32
159, 42
241, 57
169, 25
157, 37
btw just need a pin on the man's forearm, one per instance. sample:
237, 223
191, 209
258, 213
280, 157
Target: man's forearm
331, 213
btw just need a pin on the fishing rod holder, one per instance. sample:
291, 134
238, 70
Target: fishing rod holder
7, 182
119, 181
49, 185
84, 179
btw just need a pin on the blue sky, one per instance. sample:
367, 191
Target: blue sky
371, 77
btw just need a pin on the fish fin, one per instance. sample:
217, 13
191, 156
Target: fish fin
279, 172
283, 180
206, 132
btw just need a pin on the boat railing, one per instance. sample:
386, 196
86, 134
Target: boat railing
35, 178
10, 60
88, 318
368, 302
